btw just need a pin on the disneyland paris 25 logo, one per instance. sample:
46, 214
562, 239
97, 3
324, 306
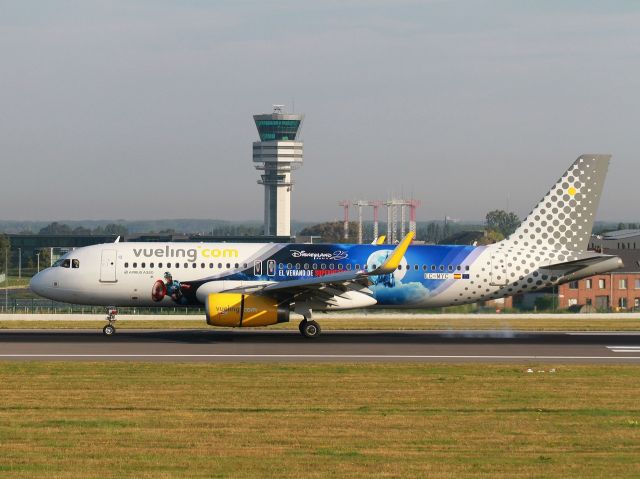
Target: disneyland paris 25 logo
336, 255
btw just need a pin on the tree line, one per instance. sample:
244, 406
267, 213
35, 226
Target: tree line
56, 228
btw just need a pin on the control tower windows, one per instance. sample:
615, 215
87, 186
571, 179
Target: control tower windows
277, 130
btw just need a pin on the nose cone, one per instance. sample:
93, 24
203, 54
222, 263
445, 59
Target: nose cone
37, 283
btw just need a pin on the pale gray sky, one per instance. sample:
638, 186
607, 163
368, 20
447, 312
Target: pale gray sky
143, 109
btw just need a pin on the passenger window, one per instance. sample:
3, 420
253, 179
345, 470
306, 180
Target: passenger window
348, 266
416, 267
177, 265
228, 265
186, 265
450, 268
399, 267
441, 267
357, 266
210, 265
126, 265
323, 266
314, 265
297, 265
306, 266
289, 265
458, 267
331, 266
202, 265
433, 267
142, 265
160, 265
424, 267
245, 265
150, 265
340, 267
237, 265
135, 265
194, 266
466, 268
220, 265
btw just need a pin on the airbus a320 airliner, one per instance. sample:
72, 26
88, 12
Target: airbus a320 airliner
248, 285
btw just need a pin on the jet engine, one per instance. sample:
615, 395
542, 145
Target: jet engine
244, 310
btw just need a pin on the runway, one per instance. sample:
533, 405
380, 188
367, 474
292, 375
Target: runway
332, 346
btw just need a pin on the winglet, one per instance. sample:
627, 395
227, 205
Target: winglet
393, 261
379, 240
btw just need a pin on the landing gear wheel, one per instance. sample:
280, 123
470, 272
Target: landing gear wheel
110, 329
310, 329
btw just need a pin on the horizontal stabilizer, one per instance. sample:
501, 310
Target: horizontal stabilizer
585, 262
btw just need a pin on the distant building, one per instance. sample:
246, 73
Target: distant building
618, 290
28, 245
616, 240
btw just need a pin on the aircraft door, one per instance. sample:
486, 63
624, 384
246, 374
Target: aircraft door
108, 266
499, 272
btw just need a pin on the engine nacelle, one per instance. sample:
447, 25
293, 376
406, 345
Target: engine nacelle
238, 310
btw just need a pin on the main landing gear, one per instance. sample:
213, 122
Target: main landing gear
110, 329
309, 328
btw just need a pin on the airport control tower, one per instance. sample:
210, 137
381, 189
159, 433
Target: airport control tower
277, 154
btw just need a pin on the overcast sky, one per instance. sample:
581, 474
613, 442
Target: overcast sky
143, 109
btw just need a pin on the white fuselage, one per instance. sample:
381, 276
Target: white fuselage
127, 274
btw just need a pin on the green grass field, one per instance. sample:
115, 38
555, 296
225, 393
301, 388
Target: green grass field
15, 282
99, 420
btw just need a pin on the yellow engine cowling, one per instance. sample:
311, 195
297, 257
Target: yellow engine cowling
244, 310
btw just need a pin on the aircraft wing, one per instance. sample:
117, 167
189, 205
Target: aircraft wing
337, 280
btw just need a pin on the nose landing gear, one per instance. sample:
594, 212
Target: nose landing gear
110, 329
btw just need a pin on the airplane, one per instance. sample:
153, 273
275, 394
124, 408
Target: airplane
261, 284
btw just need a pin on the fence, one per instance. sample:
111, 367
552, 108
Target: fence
39, 306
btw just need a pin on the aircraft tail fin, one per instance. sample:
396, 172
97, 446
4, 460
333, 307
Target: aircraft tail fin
563, 219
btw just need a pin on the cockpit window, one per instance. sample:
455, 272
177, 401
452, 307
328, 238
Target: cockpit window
75, 263
66, 263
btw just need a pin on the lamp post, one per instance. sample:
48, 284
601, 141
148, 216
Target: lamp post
38, 256
6, 279
19, 262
